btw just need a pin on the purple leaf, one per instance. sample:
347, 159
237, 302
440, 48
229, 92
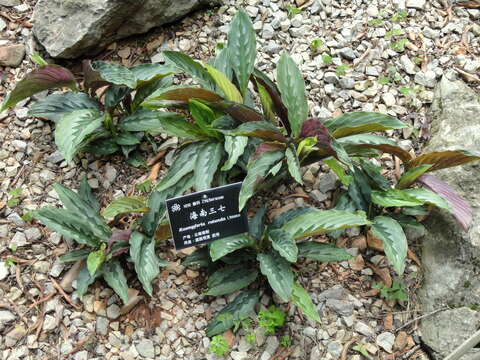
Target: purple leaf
122, 235
314, 128
239, 112
279, 106
44, 78
460, 207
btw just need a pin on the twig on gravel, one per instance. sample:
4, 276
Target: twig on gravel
346, 348
156, 158
419, 318
18, 277
80, 345
410, 352
15, 308
64, 294
283, 355
42, 300
363, 56
19, 174
467, 76
465, 347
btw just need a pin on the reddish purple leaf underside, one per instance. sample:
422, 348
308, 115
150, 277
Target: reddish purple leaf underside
460, 207
314, 128
44, 78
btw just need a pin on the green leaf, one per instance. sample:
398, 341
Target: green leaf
444, 159
323, 252
85, 193
147, 264
68, 224
149, 88
84, 280
191, 67
407, 221
199, 257
115, 94
75, 255
361, 122
115, 74
411, 175
225, 246
303, 301
293, 165
45, 78
284, 243
222, 63
125, 205
429, 197
337, 168
240, 308
203, 116
292, 89
55, 106
148, 72
321, 221
206, 165
74, 203
37, 59
114, 276
73, 130
267, 103
157, 206
178, 96
356, 143
258, 169
394, 241
234, 146
242, 48
230, 279
373, 172
256, 224
182, 165
127, 139
259, 129
231, 92
288, 215
360, 191
148, 120
95, 260
394, 197
278, 272
182, 128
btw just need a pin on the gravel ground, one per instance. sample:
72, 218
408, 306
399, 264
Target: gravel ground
374, 55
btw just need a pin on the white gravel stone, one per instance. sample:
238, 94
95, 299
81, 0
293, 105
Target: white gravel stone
6, 316
386, 340
389, 99
19, 239
364, 329
416, 4
4, 271
146, 349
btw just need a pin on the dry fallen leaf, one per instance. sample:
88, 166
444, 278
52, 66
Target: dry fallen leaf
401, 340
388, 322
383, 274
230, 337
357, 264
359, 242
133, 299
374, 242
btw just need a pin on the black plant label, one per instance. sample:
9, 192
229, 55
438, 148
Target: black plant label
206, 216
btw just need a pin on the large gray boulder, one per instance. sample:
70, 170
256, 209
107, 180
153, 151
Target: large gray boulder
73, 28
451, 257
